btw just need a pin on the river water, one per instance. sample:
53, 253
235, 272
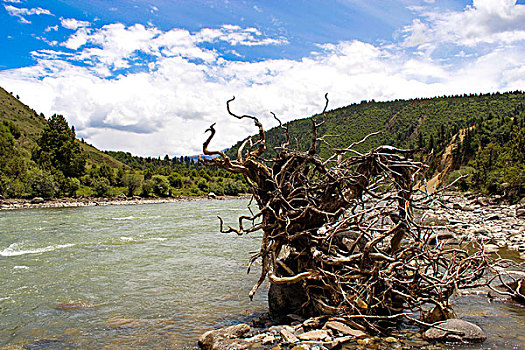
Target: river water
151, 276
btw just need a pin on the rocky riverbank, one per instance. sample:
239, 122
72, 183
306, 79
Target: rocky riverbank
498, 224
500, 227
37, 202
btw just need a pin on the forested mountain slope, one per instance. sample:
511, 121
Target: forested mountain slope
431, 124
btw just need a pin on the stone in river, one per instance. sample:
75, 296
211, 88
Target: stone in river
455, 331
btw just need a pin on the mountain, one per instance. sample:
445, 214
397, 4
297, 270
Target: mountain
436, 125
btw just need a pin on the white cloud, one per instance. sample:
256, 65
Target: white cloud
73, 24
485, 22
13, 1
21, 12
51, 28
181, 87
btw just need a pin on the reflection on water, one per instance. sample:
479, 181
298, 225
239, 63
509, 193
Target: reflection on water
151, 276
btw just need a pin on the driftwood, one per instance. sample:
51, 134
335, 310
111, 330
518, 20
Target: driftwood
344, 229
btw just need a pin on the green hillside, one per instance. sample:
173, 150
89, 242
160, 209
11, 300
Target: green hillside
21, 171
431, 124
42, 157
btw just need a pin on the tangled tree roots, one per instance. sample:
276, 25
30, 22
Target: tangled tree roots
343, 228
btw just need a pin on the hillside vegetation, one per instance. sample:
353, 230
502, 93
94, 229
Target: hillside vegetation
480, 136
483, 132
42, 157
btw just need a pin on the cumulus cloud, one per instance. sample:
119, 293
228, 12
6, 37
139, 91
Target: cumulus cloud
73, 24
170, 87
21, 12
483, 22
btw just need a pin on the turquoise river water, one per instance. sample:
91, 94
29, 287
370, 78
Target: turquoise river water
152, 276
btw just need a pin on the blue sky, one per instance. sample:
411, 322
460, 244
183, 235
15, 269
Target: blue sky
150, 76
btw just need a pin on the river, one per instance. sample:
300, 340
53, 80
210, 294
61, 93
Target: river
151, 276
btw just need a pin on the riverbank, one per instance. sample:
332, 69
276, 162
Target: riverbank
39, 203
454, 218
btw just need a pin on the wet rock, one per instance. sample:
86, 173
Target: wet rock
455, 331
225, 338
345, 330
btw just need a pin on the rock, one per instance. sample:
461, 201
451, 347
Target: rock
438, 314
433, 219
520, 212
455, 331
219, 338
491, 248
391, 340
467, 208
345, 330
285, 299
289, 337
457, 206
493, 217
442, 235
37, 200
314, 335
268, 339
301, 347
212, 195
516, 288
483, 201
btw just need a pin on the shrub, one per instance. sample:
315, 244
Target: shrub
175, 180
101, 186
147, 188
161, 185
42, 183
132, 182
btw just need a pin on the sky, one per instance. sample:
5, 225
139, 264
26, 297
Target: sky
149, 77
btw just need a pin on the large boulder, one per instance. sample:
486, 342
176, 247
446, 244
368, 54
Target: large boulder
455, 331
